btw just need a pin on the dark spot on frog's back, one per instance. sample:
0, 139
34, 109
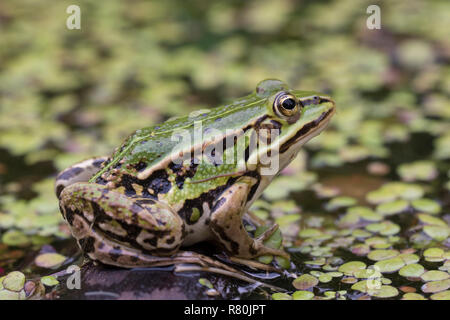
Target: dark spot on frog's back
159, 182
208, 197
181, 174
98, 163
115, 253
70, 173
140, 166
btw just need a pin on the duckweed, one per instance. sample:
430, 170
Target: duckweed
436, 286
412, 270
49, 281
281, 296
444, 295
426, 205
350, 268
413, 296
302, 295
393, 207
390, 265
437, 233
378, 255
434, 275
305, 281
49, 260
14, 281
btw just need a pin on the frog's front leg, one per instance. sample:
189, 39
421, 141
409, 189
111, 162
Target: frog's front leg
115, 229
226, 224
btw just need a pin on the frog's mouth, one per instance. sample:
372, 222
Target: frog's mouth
309, 130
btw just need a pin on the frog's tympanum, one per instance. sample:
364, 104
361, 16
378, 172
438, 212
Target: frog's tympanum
190, 179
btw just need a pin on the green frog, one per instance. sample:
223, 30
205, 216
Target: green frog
190, 179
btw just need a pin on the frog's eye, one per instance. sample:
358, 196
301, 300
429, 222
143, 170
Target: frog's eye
286, 105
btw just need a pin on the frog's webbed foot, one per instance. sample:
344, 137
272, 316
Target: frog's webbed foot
188, 261
254, 219
259, 245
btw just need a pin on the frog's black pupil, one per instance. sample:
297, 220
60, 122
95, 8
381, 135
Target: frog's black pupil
289, 104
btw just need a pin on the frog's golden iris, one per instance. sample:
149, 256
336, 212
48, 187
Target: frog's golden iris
287, 106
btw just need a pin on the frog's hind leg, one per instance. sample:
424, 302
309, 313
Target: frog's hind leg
119, 230
79, 172
102, 249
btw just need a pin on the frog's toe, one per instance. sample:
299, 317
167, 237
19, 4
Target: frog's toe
268, 233
262, 250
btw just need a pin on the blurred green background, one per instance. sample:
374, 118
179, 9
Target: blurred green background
67, 95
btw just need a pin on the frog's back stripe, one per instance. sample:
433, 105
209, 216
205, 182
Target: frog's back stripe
80, 172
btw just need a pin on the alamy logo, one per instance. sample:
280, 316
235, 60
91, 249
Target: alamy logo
243, 150
74, 280
374, 20
74, 20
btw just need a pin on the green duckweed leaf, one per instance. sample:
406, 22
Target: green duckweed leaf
378, 255
350, 268
426, 205
302, 295
443, 295
412, 270
305, 281
434, 275
49, 281
14, 281
281, 296
436, 286
49, 260
390, 265
413, 296
393, 207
